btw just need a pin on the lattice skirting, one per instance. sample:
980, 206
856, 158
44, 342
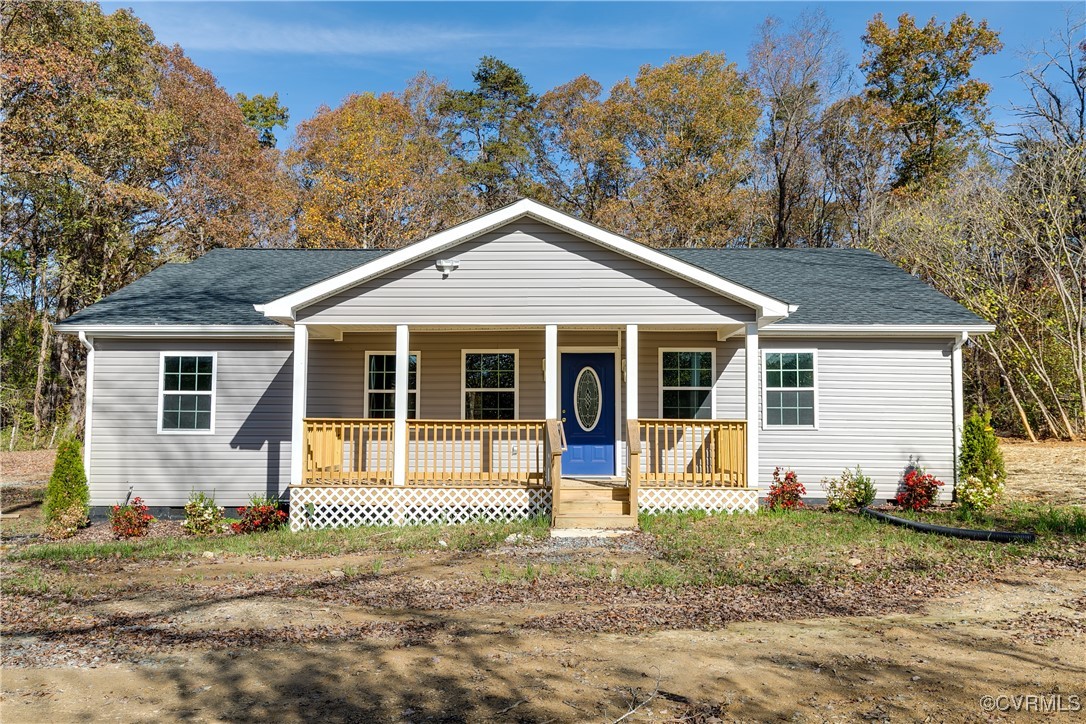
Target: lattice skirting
335, 507
730, 500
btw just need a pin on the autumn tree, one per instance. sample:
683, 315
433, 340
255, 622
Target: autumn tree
490, 131
796, 71
263, 114
923, 75
690, 125
373, 173
580, 158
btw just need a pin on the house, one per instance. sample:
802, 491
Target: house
548, 365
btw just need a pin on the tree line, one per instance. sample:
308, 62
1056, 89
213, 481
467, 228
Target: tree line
120, 154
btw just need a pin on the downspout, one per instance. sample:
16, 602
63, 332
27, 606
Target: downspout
958, 395
88, 404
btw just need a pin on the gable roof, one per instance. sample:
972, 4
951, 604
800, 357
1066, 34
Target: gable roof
767, 308
219, 288
835, 286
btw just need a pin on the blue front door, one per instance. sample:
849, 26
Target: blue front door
588, 410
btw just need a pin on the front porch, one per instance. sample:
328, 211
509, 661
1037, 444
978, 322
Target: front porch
593, 458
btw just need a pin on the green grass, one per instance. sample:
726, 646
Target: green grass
305, 544
1045, 520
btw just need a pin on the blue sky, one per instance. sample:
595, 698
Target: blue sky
316, 53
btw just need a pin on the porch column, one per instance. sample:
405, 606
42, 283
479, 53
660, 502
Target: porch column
300, 379
753, 362
550, 372
399, 435
631, 372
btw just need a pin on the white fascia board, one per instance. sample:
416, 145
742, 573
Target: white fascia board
176, 330
284, 308
875, 330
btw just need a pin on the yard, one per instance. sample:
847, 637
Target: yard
804, 615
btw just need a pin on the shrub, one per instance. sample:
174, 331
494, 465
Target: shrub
852, 490
66, 523
202, 516
786, 493
981, 472
262, 514
918, 490
66, 495
131, 520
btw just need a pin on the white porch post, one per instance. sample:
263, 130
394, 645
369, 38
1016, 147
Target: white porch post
631, 372
300, 386
753, 361
959, 402
399, 436
550, 372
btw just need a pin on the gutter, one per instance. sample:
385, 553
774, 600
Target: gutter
88, 404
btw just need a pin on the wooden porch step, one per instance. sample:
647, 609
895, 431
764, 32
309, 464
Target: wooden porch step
593, 507
603, 494
595, 521
592, 483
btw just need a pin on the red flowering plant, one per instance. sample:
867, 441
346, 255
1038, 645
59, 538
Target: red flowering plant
786, 493
130, 520
262, 514
918, 490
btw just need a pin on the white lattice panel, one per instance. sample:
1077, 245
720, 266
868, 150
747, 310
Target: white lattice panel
335, 507
730, 500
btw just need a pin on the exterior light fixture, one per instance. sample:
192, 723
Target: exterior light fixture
447, 266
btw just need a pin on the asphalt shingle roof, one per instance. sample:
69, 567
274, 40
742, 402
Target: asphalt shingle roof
830, 286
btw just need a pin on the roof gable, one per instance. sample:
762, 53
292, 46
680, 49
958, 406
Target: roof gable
284, 309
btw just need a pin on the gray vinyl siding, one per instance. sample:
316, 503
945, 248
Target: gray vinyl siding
527, 273
880, 404
729, 395
248, 453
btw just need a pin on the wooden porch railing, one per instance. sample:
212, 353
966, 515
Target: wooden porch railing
556, 445
689, 453
348, 452
633, 461
475, 452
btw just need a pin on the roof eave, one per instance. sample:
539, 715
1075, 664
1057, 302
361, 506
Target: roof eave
876, 330
175, 330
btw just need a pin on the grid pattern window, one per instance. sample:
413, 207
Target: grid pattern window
188, 383
790, 389
686, 385
381, 386
490, 381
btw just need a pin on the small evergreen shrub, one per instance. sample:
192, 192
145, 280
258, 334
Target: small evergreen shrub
66, 495
66, 523
202, 515
131, 520
981, 472
919, 490
785, 492
852, 489
262, 514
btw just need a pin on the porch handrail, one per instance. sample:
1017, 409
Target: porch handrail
475, 452
556, 445
692, 453
633, 461
342, 451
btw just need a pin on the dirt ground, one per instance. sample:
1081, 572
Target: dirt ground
430, 637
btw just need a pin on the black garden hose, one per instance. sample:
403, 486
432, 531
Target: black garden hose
993, 536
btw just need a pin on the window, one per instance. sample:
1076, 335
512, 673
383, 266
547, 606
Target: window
381, 384
187, 399
686, 384
790, 389
490, 385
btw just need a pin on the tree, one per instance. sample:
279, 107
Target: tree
579, 155
263, 114
796, 72
690, 124
490, 131
922, 74
373, 173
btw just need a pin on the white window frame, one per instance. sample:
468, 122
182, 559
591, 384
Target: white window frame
464, 378
766, 388
366, 383
660, 379
162, 389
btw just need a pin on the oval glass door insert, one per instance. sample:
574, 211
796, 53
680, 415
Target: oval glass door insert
587, 394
